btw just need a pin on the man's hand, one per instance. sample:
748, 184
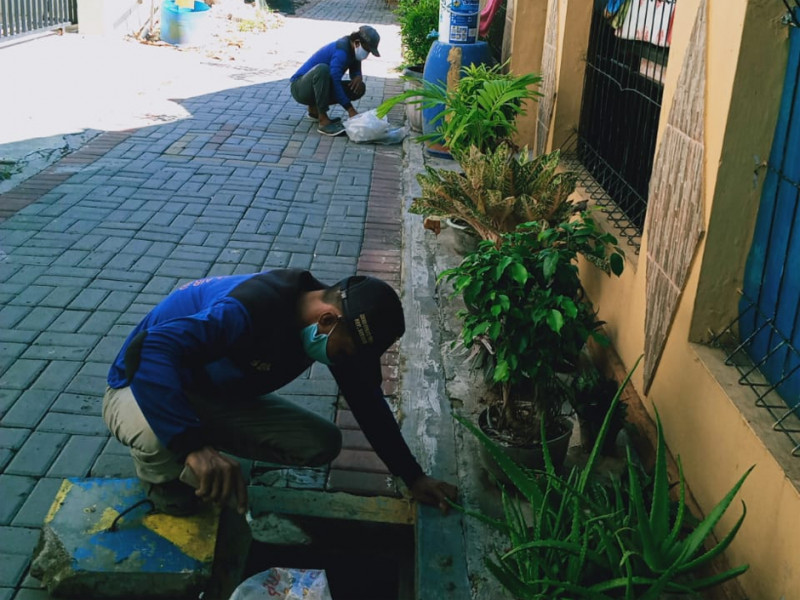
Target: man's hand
434, 492
356, 83
352, 112
218, 476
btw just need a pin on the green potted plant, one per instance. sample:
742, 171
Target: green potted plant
418, 21
498, 190
528, 320
583, 535
480, 110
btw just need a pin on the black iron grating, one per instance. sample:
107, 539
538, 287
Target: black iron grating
784, 411
620, 110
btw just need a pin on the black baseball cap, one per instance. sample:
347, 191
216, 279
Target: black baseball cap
372, 312
369, 38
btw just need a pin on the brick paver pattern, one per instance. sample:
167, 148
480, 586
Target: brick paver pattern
91, 244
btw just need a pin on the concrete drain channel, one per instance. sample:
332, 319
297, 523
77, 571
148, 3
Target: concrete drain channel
101, 539
364, 544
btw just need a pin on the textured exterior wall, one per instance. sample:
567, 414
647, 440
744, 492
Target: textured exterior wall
704, 174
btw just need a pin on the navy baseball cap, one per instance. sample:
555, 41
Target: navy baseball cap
372, 311
369, 38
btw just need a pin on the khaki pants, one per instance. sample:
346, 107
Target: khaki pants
267, 428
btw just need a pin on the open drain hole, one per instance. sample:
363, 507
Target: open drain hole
362, 560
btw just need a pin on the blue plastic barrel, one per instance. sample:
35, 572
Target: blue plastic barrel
183, 26
458, 21
443, 59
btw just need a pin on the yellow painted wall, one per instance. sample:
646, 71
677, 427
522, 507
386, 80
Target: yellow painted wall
527, 40
705, 412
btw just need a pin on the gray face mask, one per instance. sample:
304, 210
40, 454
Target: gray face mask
361, 53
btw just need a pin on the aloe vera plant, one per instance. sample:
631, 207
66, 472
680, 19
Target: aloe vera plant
586, 537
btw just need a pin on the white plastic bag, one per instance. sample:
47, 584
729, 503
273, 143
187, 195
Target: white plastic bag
284, 584
367, 127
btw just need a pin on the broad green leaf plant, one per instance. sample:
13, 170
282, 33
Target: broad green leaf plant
525, 308
602, 538
480, 110
417, 20
498, 191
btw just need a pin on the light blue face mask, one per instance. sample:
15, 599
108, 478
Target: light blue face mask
361, 53
315, 344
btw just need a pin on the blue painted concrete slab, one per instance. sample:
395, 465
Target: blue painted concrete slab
101, 539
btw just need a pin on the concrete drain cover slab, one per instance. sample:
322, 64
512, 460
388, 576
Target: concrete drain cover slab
87, 550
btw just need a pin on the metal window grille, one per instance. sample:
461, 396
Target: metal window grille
764, 341
24, 17
614, 145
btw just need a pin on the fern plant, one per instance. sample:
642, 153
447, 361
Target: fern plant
480, 110
498, 191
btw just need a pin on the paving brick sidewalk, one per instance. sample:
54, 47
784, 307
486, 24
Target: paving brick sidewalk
91, 244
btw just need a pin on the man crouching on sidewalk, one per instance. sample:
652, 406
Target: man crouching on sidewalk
196, 377
318, 83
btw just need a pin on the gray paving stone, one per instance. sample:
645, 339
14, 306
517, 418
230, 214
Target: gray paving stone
39, 318
89, 299
99, 322
13, 437
7, 399
221, 269
8, 268
59, 372
71, 258
121, 262
160, 285
73, 424
87, 384
36, 454
33, 295
79, 404
12, 349
106, 350
18, 540
11, 315
88, 242
12, 567
6, 454
37, 504
77, 456
116, 285
118, 301
113, 465
15, 490
113, 244
148, 265
6, 593
97, 259
69, 321
29, 408
114, 446
22, 374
